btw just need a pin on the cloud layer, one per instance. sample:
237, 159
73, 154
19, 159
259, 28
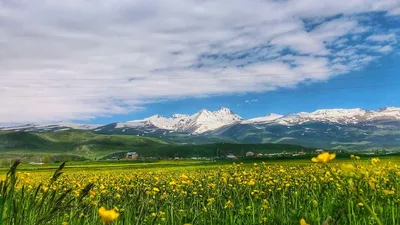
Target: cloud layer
67, 60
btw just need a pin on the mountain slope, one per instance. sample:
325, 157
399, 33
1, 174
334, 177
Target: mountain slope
73, 142
378, 134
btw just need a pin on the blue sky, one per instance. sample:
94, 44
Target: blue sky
375, 87
123, 60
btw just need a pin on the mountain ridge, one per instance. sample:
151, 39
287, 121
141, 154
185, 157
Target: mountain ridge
207, 121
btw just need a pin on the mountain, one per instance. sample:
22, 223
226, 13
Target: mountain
50, 127
205, 121
198, 123
155, 121
330, 128
89, 145
341, 116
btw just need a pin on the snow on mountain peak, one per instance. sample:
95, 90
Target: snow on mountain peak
205, 120
387, 108
337, 113
266, 119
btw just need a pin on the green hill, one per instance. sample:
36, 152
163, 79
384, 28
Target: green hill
90, 145
72, 142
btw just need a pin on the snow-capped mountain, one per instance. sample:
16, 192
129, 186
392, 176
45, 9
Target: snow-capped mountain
51, 127
156, 121
200, 122
340, 116
205, 120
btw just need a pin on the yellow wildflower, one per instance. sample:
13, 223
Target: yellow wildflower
374, 161
251, 183
303, 222
108, 216
229, 204
388, 192
324, 157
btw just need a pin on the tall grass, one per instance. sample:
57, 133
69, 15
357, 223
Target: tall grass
19, 206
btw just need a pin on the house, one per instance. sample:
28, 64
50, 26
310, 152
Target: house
249, 154
231, 156
132, 155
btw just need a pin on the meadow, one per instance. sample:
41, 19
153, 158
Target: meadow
326, 191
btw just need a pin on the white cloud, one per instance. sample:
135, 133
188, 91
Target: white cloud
385, 49
331, 30
66, 60
382, 37
251, 101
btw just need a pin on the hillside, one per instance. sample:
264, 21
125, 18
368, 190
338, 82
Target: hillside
90, 145
74, 142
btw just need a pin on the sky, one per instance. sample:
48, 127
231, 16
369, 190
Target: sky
114, 60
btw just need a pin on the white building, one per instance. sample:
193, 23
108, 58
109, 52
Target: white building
249, 154
231, 156
132, 155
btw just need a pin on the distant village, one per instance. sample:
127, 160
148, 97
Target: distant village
249, 154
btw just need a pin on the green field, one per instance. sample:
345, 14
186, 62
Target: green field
205, 192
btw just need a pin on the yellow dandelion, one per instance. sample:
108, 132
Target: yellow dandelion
303, 222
